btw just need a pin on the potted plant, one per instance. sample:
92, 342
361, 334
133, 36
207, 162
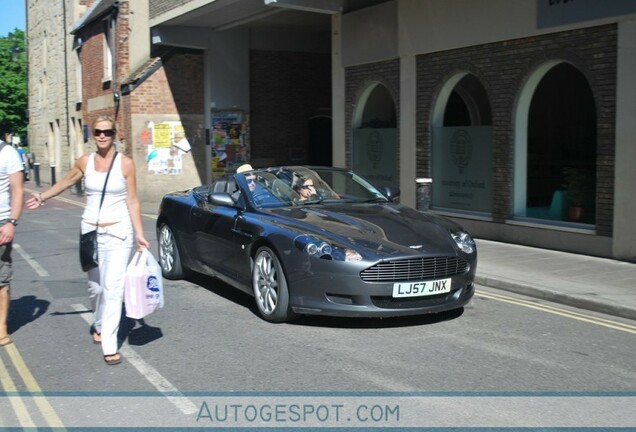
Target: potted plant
579, 186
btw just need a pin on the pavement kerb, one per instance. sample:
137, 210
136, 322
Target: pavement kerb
556, 297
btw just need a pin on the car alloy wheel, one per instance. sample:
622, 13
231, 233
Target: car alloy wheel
169, 254
270, 287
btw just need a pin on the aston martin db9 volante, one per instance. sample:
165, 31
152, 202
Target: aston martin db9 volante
317, 241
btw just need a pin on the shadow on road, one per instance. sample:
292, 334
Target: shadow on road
232, 294
371, 323
24, 310
138, 336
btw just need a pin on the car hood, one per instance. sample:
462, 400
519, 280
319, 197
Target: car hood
383, 229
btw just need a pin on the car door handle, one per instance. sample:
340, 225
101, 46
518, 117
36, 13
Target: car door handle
242, 233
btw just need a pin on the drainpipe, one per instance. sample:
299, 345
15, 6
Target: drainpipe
68, 127
112, 28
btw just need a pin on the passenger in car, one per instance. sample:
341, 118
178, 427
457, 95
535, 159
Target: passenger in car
305, 188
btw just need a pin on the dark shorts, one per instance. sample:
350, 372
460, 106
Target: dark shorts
6, 271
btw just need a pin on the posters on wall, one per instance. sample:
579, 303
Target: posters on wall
229, 139
165, 144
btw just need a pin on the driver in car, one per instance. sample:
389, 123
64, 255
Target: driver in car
250, 177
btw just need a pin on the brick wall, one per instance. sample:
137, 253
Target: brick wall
286, 90
503, 68
92, 57
174, 93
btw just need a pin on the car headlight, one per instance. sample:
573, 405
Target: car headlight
316, 247
464, 241
319, 248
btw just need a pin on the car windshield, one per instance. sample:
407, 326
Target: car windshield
298, 186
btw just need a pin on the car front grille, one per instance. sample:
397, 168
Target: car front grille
415, 269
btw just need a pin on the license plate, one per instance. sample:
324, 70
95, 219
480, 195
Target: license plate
418, 289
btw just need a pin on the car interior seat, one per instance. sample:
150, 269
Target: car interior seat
219, 186
283, 191
231, 186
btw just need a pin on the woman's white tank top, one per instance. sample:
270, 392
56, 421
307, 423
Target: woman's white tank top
114, 209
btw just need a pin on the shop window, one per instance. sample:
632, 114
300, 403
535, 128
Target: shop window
467, 104
561, 148
375, 136
462, 147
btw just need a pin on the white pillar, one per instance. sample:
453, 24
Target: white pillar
624, 235
408, 165
338, 94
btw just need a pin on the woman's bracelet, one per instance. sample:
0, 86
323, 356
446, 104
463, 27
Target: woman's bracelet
39, 195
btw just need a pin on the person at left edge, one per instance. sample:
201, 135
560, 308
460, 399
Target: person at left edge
119, 215
11, 200
25, 162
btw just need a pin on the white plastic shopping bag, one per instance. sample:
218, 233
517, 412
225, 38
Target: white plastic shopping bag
143, 285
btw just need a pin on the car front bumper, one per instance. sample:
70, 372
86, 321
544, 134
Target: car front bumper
344, 293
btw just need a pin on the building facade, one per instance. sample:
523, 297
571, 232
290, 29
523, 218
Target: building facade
55, 119
520, 112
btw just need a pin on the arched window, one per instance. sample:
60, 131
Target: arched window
462, 147
561, 148
468, 104
374, 153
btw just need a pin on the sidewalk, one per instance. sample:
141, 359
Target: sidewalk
596, 284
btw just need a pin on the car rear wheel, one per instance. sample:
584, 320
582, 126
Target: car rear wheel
270, 287
169, 258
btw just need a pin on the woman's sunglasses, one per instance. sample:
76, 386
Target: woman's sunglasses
107, 132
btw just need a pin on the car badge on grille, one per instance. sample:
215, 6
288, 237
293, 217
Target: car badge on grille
416, 246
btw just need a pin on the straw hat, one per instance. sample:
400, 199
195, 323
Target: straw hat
244, 167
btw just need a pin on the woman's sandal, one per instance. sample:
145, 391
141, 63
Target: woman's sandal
97, 338
5, 341
112, 359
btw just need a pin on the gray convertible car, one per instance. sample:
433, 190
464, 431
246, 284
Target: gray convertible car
317, 241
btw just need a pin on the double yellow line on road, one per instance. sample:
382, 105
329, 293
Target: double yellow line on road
17, 400
616, 325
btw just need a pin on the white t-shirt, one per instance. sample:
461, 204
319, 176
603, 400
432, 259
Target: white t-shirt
9, 163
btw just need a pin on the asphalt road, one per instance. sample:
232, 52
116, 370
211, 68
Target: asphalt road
209, 340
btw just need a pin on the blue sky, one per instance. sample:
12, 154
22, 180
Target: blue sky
13, 16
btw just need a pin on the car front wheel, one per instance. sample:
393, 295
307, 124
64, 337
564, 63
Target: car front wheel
270, 287
169, 258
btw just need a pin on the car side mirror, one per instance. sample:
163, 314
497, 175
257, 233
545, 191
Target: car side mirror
221, 199
391, 192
